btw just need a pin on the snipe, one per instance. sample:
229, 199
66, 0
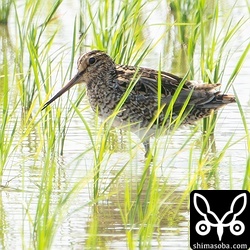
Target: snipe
107, 82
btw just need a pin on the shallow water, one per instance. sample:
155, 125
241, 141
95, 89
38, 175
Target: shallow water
23, 172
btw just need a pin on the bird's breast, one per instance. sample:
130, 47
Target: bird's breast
102, 98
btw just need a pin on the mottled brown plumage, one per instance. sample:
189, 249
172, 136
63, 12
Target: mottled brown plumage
107, 83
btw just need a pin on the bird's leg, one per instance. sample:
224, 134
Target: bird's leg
146, 144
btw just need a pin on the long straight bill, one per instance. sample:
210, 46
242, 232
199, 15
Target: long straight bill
69, 85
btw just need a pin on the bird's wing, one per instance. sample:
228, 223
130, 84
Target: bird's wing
146, 84
146, 80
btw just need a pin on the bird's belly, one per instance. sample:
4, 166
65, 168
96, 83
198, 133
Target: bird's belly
133, 115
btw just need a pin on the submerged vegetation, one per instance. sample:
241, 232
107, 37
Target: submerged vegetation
54, 173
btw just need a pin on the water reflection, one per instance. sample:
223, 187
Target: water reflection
5, 42
118, 218
3, 222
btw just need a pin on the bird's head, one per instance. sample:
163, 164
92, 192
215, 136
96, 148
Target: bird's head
91, 65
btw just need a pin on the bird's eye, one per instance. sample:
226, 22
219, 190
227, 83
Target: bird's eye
91, 60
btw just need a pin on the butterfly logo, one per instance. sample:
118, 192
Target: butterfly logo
203, 227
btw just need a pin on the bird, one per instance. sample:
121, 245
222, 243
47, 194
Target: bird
152, 94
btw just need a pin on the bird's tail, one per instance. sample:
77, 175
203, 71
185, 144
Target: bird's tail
225, 98
219, 101
203, 110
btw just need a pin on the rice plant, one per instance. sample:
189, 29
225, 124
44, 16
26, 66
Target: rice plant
30, 30
117, 28
5, 10
209, 41
9, 121
102, 36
